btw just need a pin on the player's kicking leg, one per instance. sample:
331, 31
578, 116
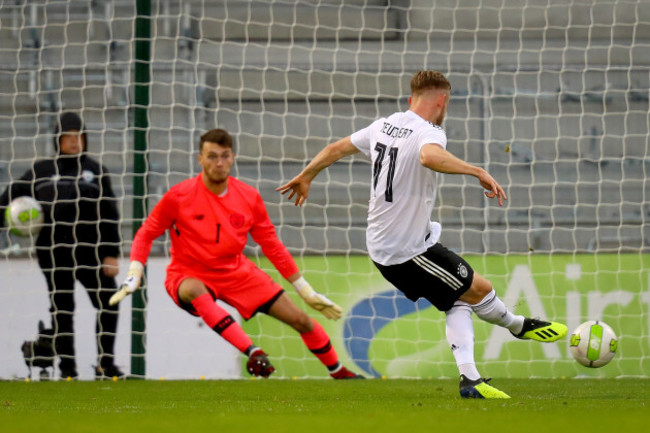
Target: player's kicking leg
539, 330
487, 306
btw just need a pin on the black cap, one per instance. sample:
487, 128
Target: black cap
69, 122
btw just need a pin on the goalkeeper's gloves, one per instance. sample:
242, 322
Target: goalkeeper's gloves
316, 300
130, 285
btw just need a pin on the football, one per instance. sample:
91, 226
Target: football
24, 216
593, 344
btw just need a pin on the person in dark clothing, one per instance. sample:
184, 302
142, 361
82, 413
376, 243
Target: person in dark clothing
80, 240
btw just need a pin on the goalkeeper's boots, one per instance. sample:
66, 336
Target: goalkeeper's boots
110, 372
344, 373
258, 364
479, 388
538, 330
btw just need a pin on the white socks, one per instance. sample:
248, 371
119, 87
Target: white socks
460, 336
493, 310
460, 329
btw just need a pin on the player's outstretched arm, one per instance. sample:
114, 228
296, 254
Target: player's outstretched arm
130, 285
160, 219
315, 300
436, 158
299, 185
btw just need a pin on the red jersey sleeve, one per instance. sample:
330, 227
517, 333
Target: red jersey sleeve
160, 219
263, 232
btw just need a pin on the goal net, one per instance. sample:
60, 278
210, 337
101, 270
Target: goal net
550, 96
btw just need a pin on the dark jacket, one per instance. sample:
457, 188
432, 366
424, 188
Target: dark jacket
78, 202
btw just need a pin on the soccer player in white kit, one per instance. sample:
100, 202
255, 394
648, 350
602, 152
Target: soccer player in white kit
408, 151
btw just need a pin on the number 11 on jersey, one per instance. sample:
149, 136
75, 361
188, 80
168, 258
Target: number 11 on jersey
376, 170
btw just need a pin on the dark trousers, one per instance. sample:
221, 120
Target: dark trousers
62, 266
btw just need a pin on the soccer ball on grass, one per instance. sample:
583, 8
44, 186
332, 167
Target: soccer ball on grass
593, 344
24, 216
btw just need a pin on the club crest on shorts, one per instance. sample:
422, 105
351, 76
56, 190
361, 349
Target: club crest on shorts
462, 270
237, 220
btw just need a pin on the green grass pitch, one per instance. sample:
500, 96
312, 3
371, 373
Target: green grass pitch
393, 405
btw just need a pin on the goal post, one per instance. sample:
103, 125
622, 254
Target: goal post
550, 96
140, 144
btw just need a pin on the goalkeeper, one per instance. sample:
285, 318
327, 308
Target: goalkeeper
209, 218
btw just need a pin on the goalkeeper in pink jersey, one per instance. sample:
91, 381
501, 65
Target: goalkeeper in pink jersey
209, 218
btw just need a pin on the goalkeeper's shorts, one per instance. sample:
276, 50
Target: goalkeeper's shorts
248, 289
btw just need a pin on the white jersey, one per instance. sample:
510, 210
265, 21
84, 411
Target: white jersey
403, 191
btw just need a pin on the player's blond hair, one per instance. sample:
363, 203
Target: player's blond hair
426, 80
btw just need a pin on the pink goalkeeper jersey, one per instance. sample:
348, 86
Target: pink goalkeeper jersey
209, 232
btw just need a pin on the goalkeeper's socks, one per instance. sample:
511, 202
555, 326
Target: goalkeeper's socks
318, 342
335, 368
221, 322
250, 349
